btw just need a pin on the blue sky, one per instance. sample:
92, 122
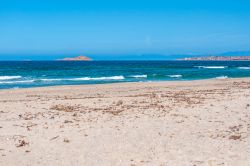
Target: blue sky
120, 27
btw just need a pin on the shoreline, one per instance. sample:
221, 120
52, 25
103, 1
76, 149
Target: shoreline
136, 82
203, 122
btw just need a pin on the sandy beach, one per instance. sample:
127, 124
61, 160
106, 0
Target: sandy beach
190, 123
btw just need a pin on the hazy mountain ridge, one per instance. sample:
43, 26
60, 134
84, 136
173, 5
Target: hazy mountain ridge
121, 57
236, 53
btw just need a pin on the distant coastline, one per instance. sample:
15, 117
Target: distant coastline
218, 58
78, 58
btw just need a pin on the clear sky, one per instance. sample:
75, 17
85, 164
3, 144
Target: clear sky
119, 27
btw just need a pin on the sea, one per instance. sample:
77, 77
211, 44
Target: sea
27, 74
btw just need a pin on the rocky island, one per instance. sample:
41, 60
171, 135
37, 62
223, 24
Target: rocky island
78, 58
218, 58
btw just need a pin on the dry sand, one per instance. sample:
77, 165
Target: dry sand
129, 124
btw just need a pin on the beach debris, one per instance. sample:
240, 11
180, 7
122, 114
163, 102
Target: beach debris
65, 108
120, 102
153, 95
54, 138
68, 121
235, 137
30, 125
26, 116
66, 140
115, 112
21, 143
235, 128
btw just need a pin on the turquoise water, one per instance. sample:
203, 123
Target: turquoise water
17, 74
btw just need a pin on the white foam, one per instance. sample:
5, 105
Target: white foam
175, 76
9, 77
139, 76
16, 82
212, 67
222, 77
97, 78
84, 79
244, 68
49, 80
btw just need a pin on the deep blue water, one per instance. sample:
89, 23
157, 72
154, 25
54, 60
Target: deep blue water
18, 74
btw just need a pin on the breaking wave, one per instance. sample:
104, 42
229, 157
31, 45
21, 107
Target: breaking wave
9, 77
212, 67
86, 79
17, 82
175, 76
97, 78
244, 68
222, 77
139, 76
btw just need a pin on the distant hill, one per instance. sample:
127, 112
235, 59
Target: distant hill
236, 53
108, 57
79, 58
218, 58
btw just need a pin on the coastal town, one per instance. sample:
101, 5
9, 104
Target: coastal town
218, 58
